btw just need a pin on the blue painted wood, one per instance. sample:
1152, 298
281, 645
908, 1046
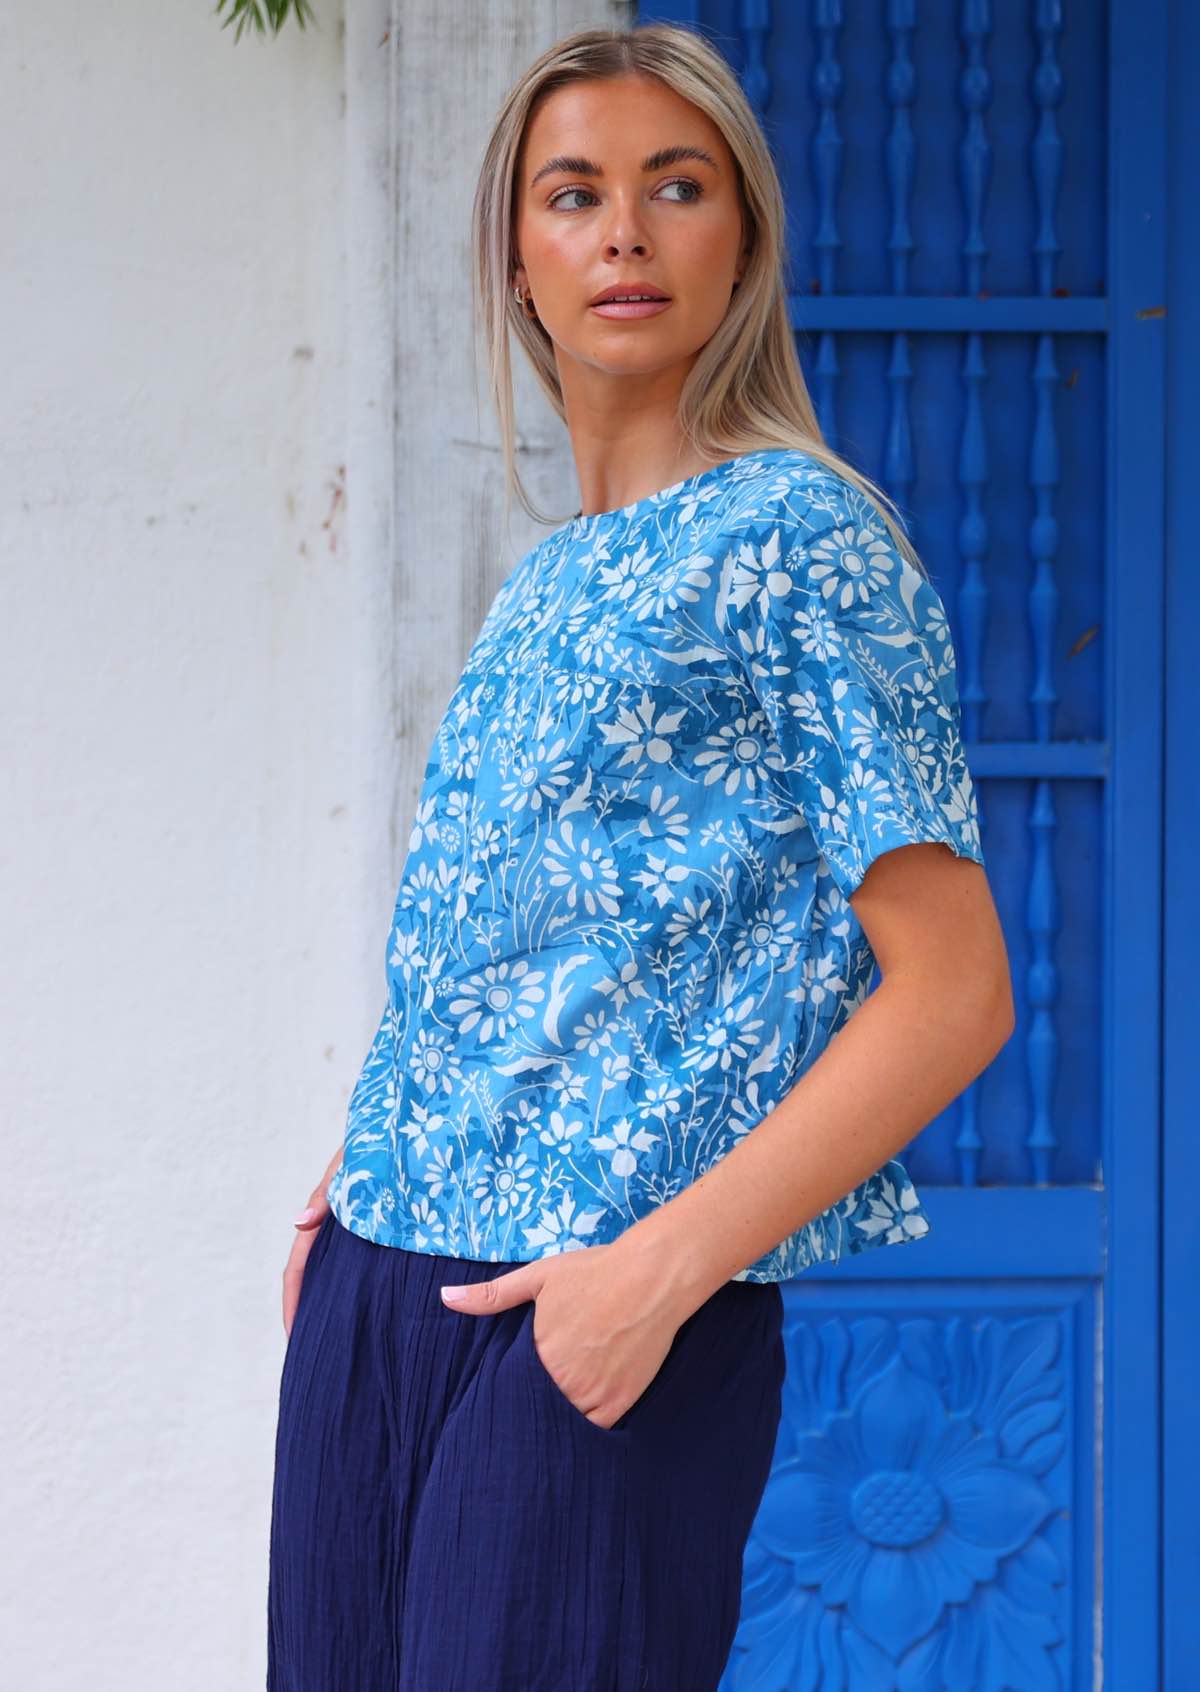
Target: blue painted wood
992, 1232
975, 148
944, 314
977, 205
1042, 910
1131, 1031
901, 151
755, 77
973, 608
826, 156
1058, 760
1180, 1372
975, 171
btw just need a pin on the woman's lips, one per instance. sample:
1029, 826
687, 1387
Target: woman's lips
630, 308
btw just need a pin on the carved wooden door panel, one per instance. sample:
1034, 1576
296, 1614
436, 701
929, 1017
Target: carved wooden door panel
975, 229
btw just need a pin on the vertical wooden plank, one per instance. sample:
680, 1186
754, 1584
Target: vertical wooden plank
1137, 68
1181, 888
425, 509
371, 419
825, 162
976, 157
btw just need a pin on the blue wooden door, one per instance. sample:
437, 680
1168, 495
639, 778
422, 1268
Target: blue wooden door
965, 1495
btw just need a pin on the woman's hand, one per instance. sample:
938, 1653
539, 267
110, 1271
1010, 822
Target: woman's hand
603, 1322
307, 1223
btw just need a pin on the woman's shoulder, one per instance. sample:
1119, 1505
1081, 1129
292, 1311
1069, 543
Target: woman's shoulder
790, 487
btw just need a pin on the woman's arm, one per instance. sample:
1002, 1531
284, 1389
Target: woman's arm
942, 1011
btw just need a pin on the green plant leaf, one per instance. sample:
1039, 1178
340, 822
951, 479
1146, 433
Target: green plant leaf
264, 14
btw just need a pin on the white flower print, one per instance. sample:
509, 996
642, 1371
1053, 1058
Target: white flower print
462, 758
427, 1223
893, 1212
851, 563
622, 1143
487, 841
624, 576
592, 1034
562, 1227
406, 955
425, 886
663, 820
938, 630
642, 732
764, 941
567, 1088
597, 641
433, 1062
923, 690
658, 878
727, 1039
922, 752
821, 980
675, 587
416, 1126
497, 999
585, 870
539, 776
505, 1185
862, 788
739, 755
438, 1174
456, 817
691, 918
959, 802
583, 687
616, 1068
816, 636
424, 825
623, 928
467, 884
625, 985
560, 1131
663, 1100
754, 573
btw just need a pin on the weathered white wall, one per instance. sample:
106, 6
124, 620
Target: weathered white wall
249, 521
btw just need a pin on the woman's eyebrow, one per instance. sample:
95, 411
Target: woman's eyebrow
665, 156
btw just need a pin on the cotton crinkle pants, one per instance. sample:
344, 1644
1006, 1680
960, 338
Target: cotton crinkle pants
445, 1519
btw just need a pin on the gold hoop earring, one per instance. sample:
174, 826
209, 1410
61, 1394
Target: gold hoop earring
525, 301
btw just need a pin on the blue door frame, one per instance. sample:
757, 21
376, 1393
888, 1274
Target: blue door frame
1052, 1307
1180, 1379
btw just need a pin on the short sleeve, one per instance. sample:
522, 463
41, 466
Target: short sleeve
849, 656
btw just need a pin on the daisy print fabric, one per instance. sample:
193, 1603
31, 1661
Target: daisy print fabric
684, 732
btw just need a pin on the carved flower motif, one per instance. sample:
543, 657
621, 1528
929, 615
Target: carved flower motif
901, 1545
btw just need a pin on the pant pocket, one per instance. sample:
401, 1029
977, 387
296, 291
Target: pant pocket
555, 1393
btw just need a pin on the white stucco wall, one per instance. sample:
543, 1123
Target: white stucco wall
239, 431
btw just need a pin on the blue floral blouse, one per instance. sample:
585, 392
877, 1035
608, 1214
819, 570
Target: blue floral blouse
685, 730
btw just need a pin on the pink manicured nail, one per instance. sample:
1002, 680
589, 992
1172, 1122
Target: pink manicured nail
306, 1215
453, 1294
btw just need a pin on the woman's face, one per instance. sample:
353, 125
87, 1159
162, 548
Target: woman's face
625, 182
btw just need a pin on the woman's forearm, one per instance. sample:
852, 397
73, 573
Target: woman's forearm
902, 1057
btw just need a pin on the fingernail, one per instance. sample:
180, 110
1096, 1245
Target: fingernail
306, 1215
453, 1294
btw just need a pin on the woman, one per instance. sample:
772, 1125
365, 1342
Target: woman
532, 1384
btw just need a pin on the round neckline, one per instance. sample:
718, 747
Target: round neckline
584, 521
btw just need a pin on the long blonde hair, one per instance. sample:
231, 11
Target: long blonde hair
746, 390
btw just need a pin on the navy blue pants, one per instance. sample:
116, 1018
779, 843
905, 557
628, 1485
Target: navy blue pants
444, 1519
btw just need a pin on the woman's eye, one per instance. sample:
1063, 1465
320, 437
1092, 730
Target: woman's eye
694, 192
562, 194
685, 182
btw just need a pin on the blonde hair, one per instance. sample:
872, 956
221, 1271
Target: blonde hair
746, 390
